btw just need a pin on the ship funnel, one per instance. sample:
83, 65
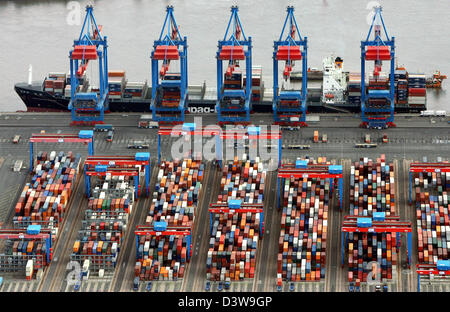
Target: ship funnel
30, 74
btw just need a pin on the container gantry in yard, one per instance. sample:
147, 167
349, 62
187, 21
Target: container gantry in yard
236, 206
169, 89
379, 223
439, 271
426, 167
89, 107
84, 136
186, 130
104, 170
289, 106
233, 100
302, 169
160, 228
377, 50
115, 165
31, 233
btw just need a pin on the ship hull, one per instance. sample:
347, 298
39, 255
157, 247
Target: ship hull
41, 101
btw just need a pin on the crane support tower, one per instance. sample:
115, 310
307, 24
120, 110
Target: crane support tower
377, 99
289, 106
169, 87
233, 99
88, 107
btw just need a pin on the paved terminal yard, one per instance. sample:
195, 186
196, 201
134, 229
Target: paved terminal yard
412, 139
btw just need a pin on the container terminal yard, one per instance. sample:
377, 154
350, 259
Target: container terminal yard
100, 199
415, 139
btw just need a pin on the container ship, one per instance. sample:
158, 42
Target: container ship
329, 90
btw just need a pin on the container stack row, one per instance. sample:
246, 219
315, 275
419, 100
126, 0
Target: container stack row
234, 238
417, 91
401, 86
44, 200
372, 189
55, 83
175, 201
30, 254
432, 208
104, 224
116, 83
171, 96
304, 227
257, 84
354, 88
233, 82
135, 90
378, 84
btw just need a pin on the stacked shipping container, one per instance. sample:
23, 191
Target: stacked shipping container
55, 83
44, 200
234, 237
233, 82
135, 90
103, 227
372, 189
378, 84
432, 208
304, 228
175, 201
257, 84
401, 86
354, 88
170, 96
116, 83
17, 254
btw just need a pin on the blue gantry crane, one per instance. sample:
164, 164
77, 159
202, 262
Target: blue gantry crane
233, 99
161, 228
302, 169
118, 165
438, 272
88, 107
236, 206
32, 234
425, 167
84, 136
377, 99
169, 88
289, 106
